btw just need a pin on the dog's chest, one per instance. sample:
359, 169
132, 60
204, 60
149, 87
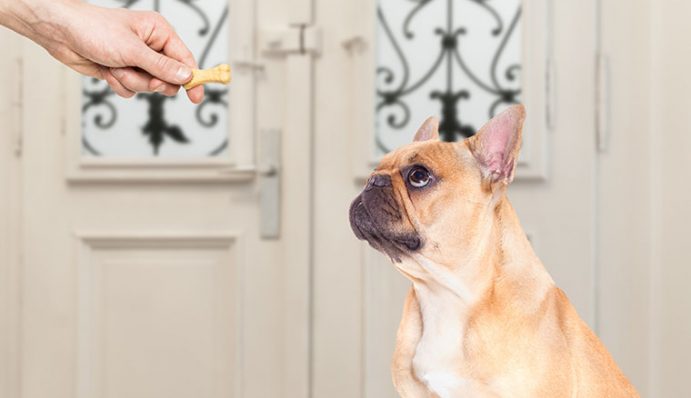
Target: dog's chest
438, 357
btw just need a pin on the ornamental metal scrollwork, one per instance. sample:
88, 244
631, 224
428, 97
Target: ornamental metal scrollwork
100, 111
448, 78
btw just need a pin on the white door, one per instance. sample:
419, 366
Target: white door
158, 254
387, 66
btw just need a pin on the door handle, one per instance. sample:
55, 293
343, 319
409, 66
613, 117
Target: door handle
269, 171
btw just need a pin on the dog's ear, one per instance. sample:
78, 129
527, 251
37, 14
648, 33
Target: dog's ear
497, 143
429, 130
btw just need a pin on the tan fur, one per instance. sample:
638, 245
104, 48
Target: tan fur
520, 335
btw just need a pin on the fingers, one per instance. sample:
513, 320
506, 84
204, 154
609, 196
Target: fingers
161, 66
138, 81
127, 81
196, 95
117, 87
154, 54
173, 56
176, 48
90, 70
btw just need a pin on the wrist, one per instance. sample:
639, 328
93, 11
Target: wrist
11, 15
36, 19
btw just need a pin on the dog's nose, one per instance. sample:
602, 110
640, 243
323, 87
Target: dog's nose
379, 181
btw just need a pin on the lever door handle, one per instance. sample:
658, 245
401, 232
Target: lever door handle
268, 170
270, 184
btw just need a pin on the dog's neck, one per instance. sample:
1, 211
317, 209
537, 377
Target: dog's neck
448, 293
500, 250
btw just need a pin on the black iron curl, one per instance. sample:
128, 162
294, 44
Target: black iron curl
393, 89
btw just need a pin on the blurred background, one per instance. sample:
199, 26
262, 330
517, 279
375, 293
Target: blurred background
151, 248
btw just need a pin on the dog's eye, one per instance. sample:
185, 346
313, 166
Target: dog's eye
418, 177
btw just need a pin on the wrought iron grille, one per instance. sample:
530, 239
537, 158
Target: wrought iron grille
152, 124
457, 59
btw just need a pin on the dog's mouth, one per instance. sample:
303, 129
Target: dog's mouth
372, 222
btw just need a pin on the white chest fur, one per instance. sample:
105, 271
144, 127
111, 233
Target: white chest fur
439, 355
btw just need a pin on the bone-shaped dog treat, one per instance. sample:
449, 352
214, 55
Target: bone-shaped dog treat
218, 74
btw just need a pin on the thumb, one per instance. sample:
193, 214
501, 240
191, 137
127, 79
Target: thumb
164, 68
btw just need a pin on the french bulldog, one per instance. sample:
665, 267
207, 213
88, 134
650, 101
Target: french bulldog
483, 318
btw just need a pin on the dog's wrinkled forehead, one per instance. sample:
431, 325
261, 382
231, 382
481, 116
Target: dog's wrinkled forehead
436, 155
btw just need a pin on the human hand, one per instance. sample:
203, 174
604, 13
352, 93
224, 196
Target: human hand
134, 51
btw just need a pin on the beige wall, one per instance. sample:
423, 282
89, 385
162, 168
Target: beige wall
670, 131
645, 199
4, 228
8, 203
623, 189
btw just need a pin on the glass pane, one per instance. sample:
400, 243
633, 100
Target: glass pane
154, 126
456, 59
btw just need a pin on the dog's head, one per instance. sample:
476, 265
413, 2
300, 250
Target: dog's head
432, 194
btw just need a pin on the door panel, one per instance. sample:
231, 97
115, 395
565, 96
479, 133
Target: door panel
359, 303
132, 338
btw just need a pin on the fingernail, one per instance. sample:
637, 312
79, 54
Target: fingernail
160, 89
184, 74
117, 72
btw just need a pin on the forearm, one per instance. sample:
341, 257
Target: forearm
36, 19
140, 47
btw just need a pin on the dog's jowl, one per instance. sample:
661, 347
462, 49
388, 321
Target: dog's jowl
483, 318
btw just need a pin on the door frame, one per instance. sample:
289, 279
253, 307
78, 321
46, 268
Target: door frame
287, 84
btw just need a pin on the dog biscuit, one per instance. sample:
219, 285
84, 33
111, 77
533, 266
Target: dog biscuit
218, 74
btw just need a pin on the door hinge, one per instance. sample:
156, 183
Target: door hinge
297, 39
17, 108
602, 103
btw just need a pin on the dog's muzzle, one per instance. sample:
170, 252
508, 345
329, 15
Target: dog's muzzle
375, 217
